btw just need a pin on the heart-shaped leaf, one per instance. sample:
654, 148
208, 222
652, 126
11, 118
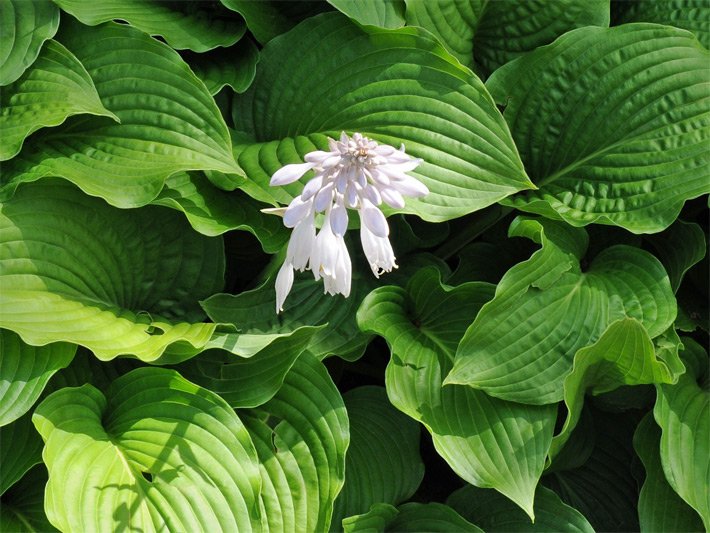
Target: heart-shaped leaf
118, 282
660, 508
522, 344
487, 441
24, 26
693, 15
301, 436
169, 122
155, 452
329, 75
55, 87
612, 124
194, 25
383, 463
24, 372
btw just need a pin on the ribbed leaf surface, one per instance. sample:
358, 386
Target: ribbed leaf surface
693, 15
487, 441
118, 282
301, 436
387, 14
679, 248
169, 122
328, 75
522, 344
493, 513
24, 26
24, 372
195, 25
235, 66
55, 87
612, 124
660, 508
155, 452
431, 517
383, 463
212, 211
683, 413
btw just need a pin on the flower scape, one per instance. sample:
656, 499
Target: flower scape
357, 173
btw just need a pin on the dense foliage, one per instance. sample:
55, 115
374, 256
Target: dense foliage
537, 362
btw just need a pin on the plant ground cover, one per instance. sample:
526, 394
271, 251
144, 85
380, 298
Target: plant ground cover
531, 181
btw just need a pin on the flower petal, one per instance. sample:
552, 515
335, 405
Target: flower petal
284, 282
374, 219
312, 187
324, 197
339, 219
290, 173
392, 197
297, 210
409, 186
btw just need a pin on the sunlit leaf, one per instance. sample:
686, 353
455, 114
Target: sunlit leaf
118, 282
612, 124
154, 452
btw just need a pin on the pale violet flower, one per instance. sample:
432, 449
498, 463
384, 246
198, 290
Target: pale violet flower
357, 173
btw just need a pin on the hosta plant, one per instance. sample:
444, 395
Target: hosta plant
354, 265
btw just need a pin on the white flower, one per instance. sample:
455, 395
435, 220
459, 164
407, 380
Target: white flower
357, 173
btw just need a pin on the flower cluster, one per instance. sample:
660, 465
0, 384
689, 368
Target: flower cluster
357, 173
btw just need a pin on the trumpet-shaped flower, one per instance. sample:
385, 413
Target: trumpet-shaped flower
357, 173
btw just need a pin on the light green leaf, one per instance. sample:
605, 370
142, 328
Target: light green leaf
660, 508
301, 436
212, 211
683, 413
24, 26
55, 87
118, 282
493, 513
487, 441
679, 248
156, 452
495, 32
383, 463
252, 381
235, 66
20, 450
522, 343
169, 122
198, 26
254, 313
382, 13
329, 75
693, 15
24, 372
430, 517
612, 124
22, 507
623, 355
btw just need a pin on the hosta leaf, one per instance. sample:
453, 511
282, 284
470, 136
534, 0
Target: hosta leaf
212, 211
254, 313
683, 413
118, 282
623, 355
252, 381
169, 122
383, 463
487, 441
20, 450
522, 343
155, 452
660, 508
266, 19
493, 513
195, 25
603, 489
235, 66
693, 15
55, 87
612, 124
328, 75
679, 248
22, 507
496, 32
385, 14
24, 26
301, 436
430, 517
24, 372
